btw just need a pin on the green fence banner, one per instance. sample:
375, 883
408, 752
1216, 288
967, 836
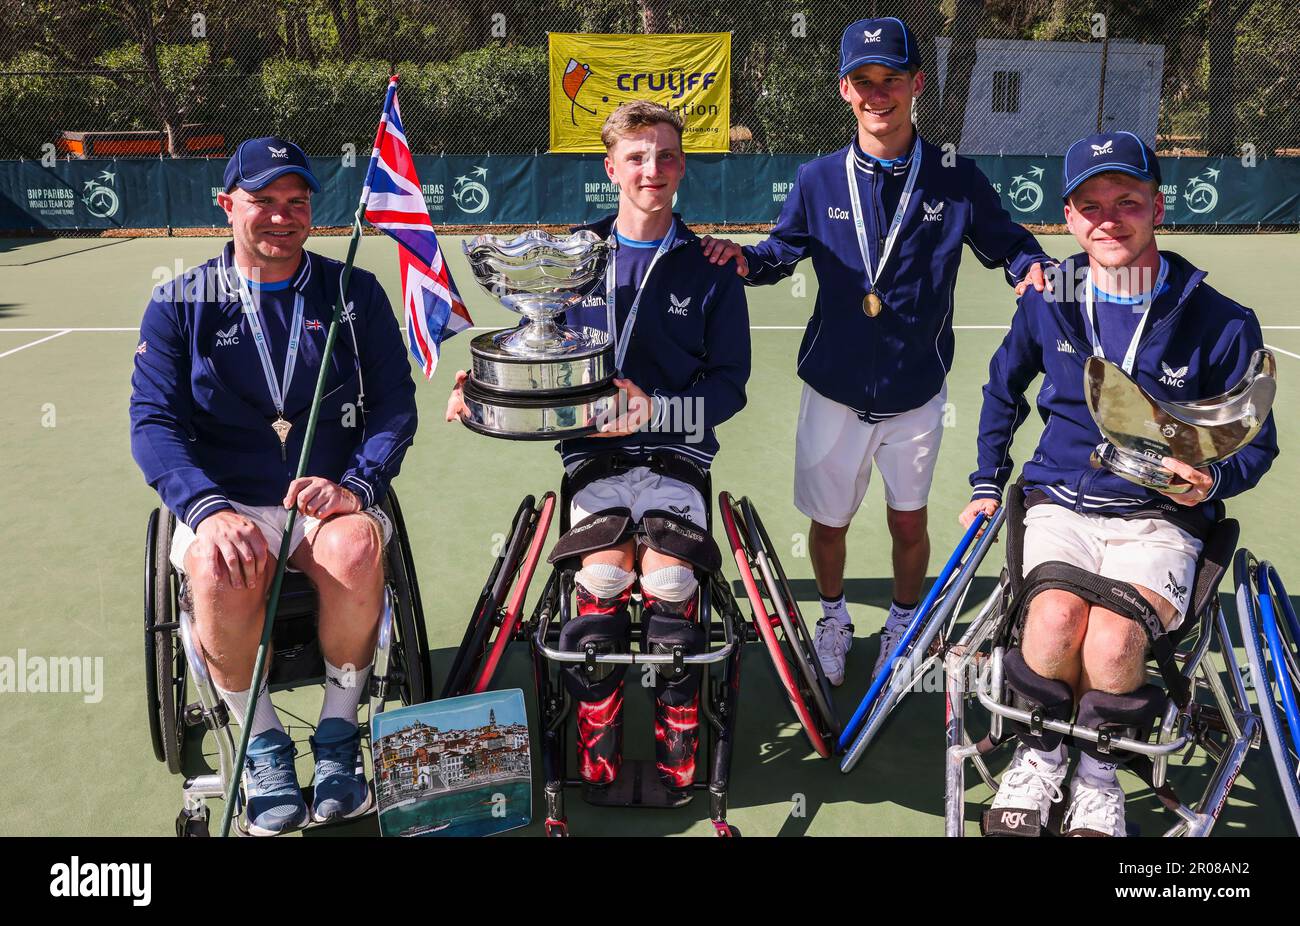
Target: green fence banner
562, 189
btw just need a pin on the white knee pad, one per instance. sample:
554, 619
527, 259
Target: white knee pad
604, 580
672, 583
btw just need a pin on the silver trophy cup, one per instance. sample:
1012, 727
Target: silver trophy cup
1141, 430
541, 380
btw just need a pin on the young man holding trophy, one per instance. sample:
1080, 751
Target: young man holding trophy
679, 328
1152, 315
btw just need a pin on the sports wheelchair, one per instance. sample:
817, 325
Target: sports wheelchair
173, 659
984, 665
498, 620
1271, 636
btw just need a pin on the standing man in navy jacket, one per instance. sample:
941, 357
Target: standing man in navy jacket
682, 350
1153, 313
224, 377
884, 220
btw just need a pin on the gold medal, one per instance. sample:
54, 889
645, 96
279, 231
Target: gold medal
872, 304
281, 429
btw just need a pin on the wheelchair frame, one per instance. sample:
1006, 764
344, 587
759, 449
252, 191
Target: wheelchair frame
1225, 729
174, 659
1272, 651
496, 622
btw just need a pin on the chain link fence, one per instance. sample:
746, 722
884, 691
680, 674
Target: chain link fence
192, 77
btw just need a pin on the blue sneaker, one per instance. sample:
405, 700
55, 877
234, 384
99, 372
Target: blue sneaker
275, 803
340, 791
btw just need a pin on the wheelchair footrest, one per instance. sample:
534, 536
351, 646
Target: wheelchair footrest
637, 785
1007, 821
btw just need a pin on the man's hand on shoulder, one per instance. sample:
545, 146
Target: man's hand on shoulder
1201, 482
318, 497
721, 250
237, 547
1035, 278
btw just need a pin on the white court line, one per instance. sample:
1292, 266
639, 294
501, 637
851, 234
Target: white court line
34, 343
1281, 351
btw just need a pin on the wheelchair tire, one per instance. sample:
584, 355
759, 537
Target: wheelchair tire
1271, 669
480, 652
165, 667
411, 643
781, 627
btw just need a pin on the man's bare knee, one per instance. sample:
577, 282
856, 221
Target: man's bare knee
621, 556
825, 533
908, 527
348, 548
1054, 630
1114, 652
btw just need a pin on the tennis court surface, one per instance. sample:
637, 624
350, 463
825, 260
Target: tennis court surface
76, 507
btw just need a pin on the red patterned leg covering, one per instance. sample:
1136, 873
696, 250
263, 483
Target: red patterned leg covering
677, 709
600, 723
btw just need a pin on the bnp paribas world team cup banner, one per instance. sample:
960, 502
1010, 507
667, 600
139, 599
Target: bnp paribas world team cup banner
590, 75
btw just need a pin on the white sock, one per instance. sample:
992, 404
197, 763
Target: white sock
837, 609
343, 690
899, 617
1097, 772
264, 716
1053, 759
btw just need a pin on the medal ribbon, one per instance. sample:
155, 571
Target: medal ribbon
1131, 355
278, 392
611, 287
859, 224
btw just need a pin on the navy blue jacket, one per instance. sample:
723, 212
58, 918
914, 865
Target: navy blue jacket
1196, 344
201, 411
690, 346
897, 361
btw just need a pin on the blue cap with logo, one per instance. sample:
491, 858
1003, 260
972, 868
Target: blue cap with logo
259, 161
884, 41
1105, 151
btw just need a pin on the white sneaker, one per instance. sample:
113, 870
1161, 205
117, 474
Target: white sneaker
1024, 800
832, 641
1095, 810
889, 637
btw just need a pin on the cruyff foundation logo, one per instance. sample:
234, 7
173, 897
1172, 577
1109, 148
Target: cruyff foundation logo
100, 199
575, 75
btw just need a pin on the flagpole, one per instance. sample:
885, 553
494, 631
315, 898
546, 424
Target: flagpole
264, 646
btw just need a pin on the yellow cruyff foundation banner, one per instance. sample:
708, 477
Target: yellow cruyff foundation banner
590, 75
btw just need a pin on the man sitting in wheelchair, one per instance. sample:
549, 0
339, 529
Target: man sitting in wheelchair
683, 356
1181, 340
217, 425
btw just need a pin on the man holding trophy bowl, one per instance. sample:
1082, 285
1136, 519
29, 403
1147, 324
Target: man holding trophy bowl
1127, 473
653, 353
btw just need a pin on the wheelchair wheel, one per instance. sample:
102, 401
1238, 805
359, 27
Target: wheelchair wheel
165, 667
780, 625
411, 640
501, 603
1270, 633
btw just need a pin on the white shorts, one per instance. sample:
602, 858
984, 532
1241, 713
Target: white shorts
1150, 552
640, 489
270, 520
834, 450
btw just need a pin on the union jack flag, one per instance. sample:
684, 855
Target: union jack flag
313, 324
395, 203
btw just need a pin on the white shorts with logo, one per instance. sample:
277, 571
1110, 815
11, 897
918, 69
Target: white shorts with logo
641, 490
835, 450
1150, 552
270, 520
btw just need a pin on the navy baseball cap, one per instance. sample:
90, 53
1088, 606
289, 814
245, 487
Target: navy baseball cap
258, 161
1105, 151
884, 41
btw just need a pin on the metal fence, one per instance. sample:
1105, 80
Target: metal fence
195, 76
